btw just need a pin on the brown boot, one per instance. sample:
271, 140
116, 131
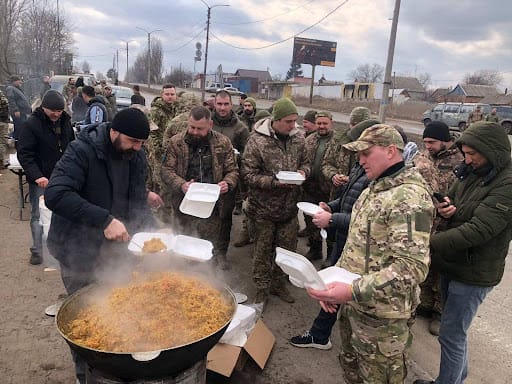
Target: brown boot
283, 293
435, 325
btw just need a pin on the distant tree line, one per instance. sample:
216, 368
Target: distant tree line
35, 38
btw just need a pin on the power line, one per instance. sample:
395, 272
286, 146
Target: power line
187, 43
269, 18
289, 38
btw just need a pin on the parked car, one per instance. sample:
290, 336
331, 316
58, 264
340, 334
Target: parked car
214, 87
123, 96
504, 112
233, 91
453, 114
57, 82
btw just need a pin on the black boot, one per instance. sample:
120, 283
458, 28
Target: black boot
315, 250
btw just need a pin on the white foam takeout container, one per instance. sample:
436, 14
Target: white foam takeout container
137, 241
299, 269
331, 275
308, 208
200, 200
288, 177
192, 248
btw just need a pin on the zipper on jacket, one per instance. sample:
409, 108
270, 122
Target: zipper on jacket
367, 256
200, 165
409, 227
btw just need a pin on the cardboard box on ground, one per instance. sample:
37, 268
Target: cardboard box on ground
224, 358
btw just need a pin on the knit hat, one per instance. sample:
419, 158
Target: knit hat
252, 101
379, 134
282, 108
310, 116
359, 128
53, 100
437, 130
359, 114
261, 114
14, 78
132, 122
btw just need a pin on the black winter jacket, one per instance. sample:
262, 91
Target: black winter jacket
41, 143
80, 195
474, 247
341, 208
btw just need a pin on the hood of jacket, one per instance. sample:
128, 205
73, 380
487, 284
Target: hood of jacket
98, 99
264, 127
490, 140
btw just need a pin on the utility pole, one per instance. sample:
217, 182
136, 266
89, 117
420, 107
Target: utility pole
389, 64
58, 39
203, 80
126, 42
149, 51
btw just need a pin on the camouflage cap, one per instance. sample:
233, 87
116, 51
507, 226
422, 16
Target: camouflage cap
324, 114
379, 134
359, 114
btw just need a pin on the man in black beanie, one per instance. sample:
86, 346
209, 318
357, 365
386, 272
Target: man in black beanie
98, 196
41, 141
444, 155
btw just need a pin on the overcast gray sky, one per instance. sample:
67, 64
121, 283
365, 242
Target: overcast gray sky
445, 38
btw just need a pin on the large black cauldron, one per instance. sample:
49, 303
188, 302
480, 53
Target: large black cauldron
140, 365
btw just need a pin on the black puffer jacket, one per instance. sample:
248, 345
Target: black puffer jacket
474, 247
342, 208
80, 195
41, 143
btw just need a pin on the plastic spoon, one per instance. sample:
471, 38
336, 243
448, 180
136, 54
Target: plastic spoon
323, 233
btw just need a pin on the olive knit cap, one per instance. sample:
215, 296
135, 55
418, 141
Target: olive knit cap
252, 101
310, 116
282, 108
359, 114
261, 114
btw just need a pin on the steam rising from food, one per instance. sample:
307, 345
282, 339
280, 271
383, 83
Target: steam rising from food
156, 311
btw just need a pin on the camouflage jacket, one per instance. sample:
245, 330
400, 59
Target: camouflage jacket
233, 128
445, 162
4, 108
428, 171
161, 114
179, 123
475, 116
388, 244
317, 184
264, 156
337, 160
177, 158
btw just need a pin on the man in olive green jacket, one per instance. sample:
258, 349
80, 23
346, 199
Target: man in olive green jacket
471, 252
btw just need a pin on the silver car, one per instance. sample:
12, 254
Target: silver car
453, 114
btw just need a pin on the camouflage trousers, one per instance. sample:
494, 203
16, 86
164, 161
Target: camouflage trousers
267, 236
430, 297
373, 350
4, 128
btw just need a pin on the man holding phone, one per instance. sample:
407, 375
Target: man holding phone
444, 155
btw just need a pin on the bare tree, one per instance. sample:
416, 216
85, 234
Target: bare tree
45, 39
425, 79
483, 77
85, 66
179, 77
10, 15
139, 71
367, 73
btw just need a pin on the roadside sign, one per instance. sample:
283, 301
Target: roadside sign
314, 52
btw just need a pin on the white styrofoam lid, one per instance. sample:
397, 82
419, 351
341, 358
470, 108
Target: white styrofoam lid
203, 192
300, 268
308, 208
192, 248
290, 176
333, 274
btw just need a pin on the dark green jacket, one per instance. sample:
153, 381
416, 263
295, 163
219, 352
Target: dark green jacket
474, 247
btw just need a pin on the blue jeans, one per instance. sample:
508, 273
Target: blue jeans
322, 325
34, 192
460, 304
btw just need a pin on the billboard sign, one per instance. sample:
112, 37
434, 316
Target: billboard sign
314, 52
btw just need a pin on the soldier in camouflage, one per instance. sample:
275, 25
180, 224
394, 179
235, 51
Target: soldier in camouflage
201, 155
388, 245
336, 164
443, 155
308, 122
317, 187
493, 117
163, 109
476, 115
4, 128
248, 114
275, 145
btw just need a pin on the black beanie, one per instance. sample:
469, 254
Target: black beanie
53, 100
437, 130
131, 122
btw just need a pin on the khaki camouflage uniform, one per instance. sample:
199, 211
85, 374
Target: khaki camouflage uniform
161, 114
224, 168
388, 245
272, 209
317, 187
475, 116
443, 163
4, 128
492, 118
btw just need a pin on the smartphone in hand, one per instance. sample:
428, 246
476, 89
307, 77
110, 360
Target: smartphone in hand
440, 198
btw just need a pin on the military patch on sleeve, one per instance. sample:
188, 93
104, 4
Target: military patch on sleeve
422, 222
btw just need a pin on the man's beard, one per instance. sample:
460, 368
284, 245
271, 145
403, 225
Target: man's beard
248, 112
126, 154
